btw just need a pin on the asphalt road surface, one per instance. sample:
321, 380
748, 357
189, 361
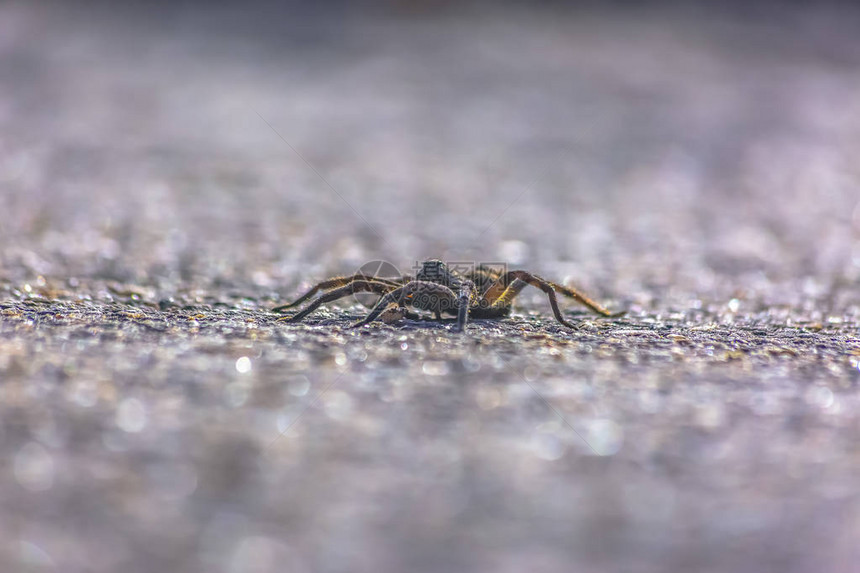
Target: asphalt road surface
169, 174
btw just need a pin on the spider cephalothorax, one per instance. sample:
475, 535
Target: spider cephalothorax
479, 292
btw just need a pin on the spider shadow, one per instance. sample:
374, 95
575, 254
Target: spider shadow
416, 322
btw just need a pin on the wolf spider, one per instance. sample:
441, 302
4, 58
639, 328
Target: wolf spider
480, 293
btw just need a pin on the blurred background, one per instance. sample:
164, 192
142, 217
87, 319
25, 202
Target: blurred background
667, 157
623, 145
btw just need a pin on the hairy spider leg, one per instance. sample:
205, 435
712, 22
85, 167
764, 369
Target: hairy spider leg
483, 277
334, 283
501, 287
500, 292
506, 298
352, 287
410, 293
468, 294
584, 300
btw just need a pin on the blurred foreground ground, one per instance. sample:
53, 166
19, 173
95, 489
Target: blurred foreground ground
698, 168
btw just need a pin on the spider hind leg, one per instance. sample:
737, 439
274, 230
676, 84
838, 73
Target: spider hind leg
503, 292
584, 300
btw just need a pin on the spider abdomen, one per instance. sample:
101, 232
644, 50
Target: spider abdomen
434, 298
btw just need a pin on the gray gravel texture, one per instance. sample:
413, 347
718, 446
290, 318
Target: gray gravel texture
169, 174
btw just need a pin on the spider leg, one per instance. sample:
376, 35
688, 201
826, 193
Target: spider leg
507, 296
464, 300
397, 295
353, 287
420, 294
334, 283
503, 293
583, 300
510, 289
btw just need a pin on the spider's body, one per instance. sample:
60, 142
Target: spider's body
481, 292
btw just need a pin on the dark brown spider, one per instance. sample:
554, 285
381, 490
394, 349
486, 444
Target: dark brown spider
480, 293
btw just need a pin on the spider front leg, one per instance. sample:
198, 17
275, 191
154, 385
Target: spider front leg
351, 288
423, 295
468, 294
334, 283
396, 295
